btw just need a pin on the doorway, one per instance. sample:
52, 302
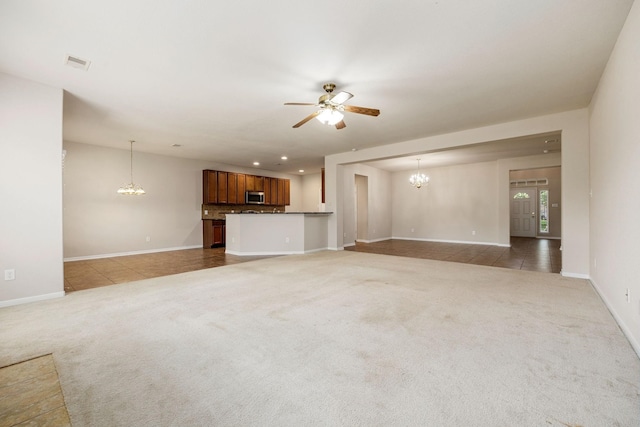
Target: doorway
362, 208
522, 211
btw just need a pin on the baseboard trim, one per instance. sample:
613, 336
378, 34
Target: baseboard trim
35, 298
382, 239
574, 275
623, 326
146, 251
270, 253
466, 242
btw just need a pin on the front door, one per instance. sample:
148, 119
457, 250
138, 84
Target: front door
523, 211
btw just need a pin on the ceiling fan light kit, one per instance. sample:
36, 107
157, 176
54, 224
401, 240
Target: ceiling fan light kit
330, 116
332, 108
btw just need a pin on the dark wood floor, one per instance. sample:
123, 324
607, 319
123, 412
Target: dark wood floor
524, 254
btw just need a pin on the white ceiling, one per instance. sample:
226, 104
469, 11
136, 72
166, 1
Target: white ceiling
213, 76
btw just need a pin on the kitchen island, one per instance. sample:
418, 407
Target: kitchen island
276, 233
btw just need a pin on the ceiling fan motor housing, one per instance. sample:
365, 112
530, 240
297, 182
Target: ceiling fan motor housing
329, 87
324, 99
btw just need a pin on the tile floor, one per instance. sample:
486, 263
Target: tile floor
86, 274
30, 394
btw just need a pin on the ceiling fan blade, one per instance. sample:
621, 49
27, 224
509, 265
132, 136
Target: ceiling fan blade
299, 103
341, 97
306, 119
361, 110
341, 125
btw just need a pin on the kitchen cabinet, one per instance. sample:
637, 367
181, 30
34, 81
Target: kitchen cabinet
232, 188
259, 183
209, 187
273, 184
267, 191
213, 233
223, 198
280, 183
242, 187
222, 188
250, 183
287, 192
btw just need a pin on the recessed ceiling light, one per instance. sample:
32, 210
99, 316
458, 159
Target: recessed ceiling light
256, 163
354, 149
283, 158
301, 170
75, 62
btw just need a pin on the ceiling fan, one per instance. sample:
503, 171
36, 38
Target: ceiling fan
331, 108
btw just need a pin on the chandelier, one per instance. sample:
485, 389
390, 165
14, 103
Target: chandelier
419, 179
131, 189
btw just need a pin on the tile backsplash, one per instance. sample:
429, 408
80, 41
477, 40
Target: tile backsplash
219, 211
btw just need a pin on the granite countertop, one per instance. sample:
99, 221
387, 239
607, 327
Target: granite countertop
251, 212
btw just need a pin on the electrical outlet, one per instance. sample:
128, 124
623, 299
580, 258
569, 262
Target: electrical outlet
148, 238
473, 233
10, 274
413, 230
286, 240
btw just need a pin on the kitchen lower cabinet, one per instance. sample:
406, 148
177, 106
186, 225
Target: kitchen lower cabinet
213, 233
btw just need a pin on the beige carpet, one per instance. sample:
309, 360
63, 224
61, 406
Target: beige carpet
335, 338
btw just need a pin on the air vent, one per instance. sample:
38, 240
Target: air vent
75, 62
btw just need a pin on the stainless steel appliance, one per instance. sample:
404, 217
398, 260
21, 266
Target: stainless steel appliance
254, 197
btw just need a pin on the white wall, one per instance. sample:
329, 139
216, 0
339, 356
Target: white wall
31, 189
458, 200
379, 196
311, 193
615, 162
100, 222
362, 208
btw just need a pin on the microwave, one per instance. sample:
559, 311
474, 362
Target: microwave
254, 198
